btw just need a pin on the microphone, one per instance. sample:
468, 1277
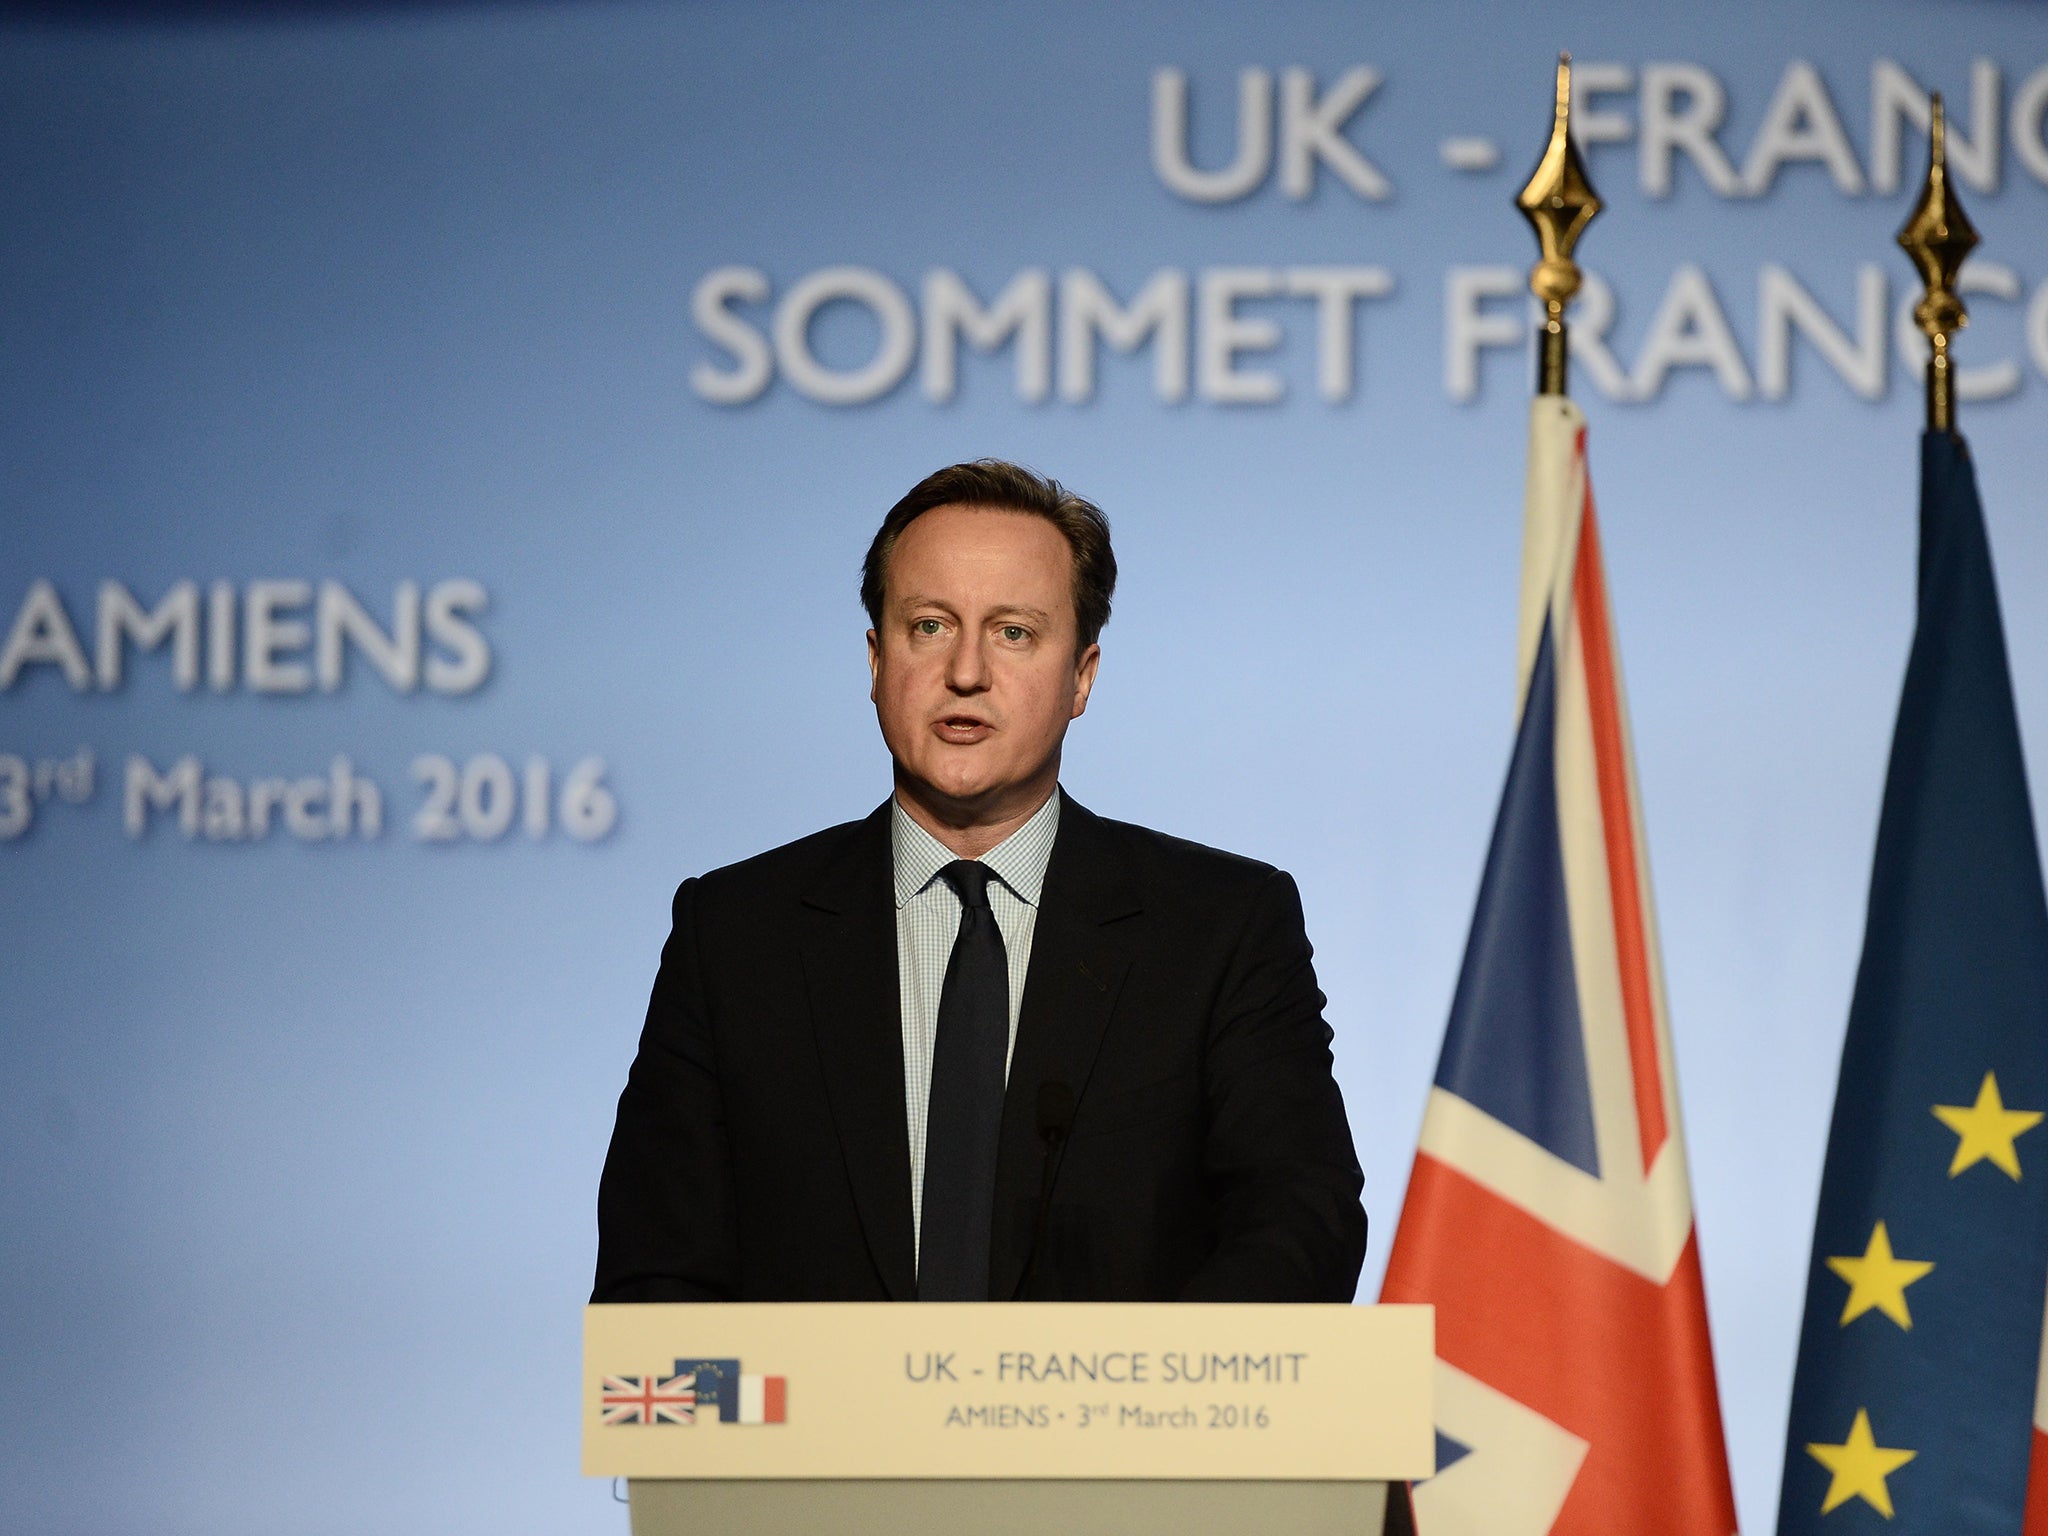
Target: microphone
1055, 1119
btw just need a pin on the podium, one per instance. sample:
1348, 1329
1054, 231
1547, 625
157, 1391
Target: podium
1001, 1419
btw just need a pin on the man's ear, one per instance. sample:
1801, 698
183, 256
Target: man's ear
1084, 678
874, 666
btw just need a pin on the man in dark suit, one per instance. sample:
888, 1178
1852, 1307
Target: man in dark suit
983, 1044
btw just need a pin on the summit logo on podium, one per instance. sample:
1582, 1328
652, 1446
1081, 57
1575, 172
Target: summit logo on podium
695, 1385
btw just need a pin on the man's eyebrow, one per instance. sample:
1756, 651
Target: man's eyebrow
912, 600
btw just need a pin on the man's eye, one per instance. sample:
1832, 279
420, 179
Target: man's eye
1016, 634
926, 627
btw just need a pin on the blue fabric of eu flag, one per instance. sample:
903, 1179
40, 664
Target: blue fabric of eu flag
718, 1386
1913, 1403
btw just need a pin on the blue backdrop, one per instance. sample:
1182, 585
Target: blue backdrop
535, 323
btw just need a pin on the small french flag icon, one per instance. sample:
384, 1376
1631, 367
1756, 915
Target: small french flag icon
764, 1399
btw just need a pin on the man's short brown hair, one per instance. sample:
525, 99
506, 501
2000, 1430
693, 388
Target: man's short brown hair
1009, 488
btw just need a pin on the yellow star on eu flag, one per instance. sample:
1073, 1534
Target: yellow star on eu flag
1858, 1468
1987, 1130
1879, 1280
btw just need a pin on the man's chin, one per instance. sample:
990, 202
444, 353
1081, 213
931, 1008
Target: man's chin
962, 804
967, 801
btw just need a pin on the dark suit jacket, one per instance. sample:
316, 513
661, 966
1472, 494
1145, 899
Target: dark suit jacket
761, 1152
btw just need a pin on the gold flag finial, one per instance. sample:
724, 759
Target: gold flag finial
1559, 202
1938, 236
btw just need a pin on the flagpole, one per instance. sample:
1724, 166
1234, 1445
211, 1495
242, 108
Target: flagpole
1938, 236
1549, 1220
1559, 202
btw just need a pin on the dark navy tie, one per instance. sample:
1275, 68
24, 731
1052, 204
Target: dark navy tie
964, 1113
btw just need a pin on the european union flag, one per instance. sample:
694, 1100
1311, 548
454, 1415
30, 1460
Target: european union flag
718, 1385
1921, 1349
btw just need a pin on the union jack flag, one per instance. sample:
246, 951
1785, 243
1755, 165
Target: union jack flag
650, 1399
1549, 1214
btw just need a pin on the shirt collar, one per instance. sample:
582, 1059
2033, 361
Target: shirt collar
1019, 860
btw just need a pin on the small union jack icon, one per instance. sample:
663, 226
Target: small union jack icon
650, 1399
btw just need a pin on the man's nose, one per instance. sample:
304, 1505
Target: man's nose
967, 666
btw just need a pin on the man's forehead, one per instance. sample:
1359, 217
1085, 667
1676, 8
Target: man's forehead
972, 542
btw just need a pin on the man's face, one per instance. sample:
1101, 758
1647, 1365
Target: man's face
975, 668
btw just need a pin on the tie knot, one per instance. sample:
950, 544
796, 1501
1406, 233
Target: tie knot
969, 880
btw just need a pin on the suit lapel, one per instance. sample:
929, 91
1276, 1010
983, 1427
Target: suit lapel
849, 959
1077, 970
